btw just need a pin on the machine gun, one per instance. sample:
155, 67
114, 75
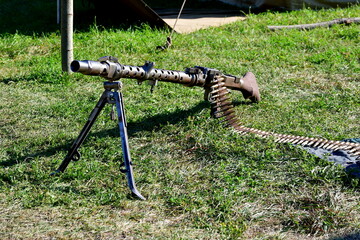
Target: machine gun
213, 81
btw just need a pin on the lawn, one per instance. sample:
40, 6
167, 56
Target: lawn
201, 179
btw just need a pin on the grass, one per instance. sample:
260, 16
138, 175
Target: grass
201, 180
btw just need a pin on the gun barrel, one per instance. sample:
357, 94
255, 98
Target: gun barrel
88, 67
114, 71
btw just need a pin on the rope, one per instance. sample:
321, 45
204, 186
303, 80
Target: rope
181, 9
169, 38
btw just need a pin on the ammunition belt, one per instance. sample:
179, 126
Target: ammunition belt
222, 107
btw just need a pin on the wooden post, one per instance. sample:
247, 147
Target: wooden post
66, 34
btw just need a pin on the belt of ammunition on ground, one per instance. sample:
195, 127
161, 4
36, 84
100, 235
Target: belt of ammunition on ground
222, 107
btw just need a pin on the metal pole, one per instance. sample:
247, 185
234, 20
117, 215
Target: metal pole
66, 34
58, 11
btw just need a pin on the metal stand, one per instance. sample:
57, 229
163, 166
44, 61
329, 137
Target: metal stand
111, 95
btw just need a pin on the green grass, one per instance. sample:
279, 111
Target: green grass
201, 180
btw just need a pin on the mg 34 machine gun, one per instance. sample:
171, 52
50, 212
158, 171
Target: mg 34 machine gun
216, 86
110, 69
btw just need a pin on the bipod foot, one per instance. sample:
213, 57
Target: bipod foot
55, 172
137, 194
130, 178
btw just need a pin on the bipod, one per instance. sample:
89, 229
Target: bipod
111, 95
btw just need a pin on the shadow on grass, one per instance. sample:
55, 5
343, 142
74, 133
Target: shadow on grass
149, 124
39, 77
351, 236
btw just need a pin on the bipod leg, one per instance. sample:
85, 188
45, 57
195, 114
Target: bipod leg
73, 153
125, 144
